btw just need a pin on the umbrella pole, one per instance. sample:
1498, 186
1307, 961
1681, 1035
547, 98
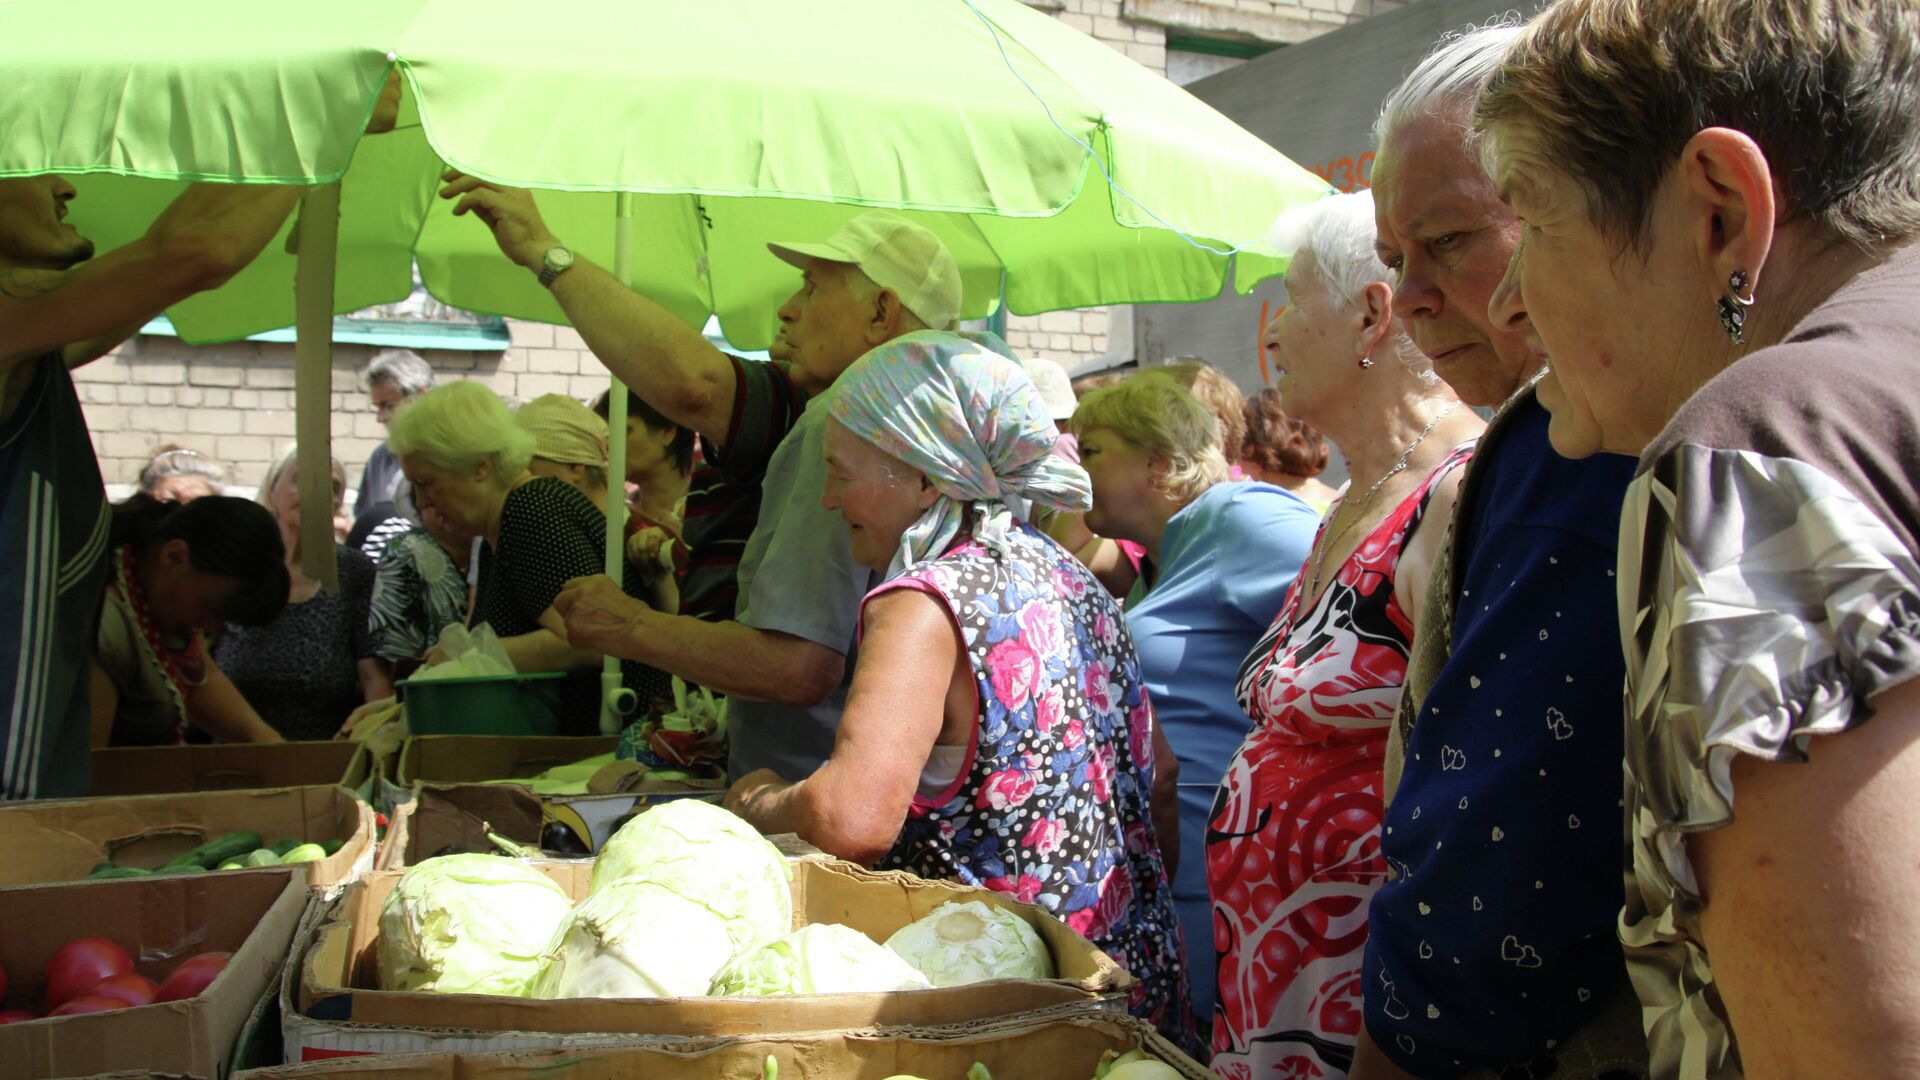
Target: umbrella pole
318, 233
615, 700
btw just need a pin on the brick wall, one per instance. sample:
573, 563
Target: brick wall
234, 402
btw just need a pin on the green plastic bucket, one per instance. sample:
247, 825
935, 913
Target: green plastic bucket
484, 704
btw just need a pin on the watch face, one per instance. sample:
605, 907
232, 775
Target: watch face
559, 258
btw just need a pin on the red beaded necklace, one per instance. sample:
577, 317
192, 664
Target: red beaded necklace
185, 668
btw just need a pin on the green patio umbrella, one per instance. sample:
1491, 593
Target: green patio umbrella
1059, 172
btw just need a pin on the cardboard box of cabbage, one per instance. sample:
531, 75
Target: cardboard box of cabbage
1070, 1043
689, 924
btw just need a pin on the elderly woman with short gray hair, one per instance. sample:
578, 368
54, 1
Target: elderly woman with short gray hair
469, 460
1293, 843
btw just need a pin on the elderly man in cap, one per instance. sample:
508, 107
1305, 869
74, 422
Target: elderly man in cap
1491, 948
785, 657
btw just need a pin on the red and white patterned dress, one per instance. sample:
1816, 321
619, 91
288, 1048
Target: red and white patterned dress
1293, 846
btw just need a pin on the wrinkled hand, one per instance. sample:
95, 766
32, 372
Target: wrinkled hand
386, 110
509, 212
361, 713
599, 615
750, 787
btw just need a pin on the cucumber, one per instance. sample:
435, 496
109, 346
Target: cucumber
332, 846
98, 867
233, 864
183, 868
304, 853
281, 847
118, 872
214, 852
262, 857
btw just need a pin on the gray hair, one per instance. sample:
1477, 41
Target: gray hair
171, 461
1339, 232
404, 368
286, 465
1450, 77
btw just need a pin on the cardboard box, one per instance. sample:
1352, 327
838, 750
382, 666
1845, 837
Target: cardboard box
473, 759
369, 776
159, 921
1054, 1046
446, 820
62, 840
159, 770
332, 1008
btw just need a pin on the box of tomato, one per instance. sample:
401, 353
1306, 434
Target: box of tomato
80, 959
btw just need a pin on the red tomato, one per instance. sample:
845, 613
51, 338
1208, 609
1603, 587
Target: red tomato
15, 1016
132, 989
88, 1005
193, 976
81, 963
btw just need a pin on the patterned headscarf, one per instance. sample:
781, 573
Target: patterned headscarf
959, 408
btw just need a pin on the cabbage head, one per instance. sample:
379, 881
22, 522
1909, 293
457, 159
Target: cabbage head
635, 939
819, 959
958, 943
709, 856
468, 924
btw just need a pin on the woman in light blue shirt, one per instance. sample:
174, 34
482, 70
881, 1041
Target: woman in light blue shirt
1220, 556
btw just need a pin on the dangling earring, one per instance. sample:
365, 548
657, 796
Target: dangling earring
1366, 362
1733, 307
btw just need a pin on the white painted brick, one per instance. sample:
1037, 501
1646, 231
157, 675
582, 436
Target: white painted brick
533, 385
207, 421
533, 335
553, 361
587, 387
158, 371
266, 422
240, 449
270, 375
212, 372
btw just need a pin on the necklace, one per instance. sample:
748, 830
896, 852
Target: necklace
1400, 464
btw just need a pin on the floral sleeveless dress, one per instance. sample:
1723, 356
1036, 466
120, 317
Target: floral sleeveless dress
1052, 807
1293, 848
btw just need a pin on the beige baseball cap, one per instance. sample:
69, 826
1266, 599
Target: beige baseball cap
1056, 389
899, 256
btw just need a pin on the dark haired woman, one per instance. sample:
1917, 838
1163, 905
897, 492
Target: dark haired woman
180, 569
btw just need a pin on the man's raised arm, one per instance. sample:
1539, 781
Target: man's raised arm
205, 237
668, 363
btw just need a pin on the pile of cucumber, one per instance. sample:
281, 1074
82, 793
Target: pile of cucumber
234, 851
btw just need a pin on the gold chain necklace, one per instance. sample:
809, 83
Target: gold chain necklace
1320, 549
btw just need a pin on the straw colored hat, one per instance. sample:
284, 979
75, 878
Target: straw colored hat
564, 430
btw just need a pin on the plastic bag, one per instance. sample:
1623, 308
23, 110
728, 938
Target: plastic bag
469, 653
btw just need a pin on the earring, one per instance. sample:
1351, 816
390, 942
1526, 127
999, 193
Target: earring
1366, 362
1733, 307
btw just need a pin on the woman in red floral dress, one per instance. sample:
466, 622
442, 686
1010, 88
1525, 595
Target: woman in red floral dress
1293, 845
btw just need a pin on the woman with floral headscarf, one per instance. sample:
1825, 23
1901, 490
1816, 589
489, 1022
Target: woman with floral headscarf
997, 732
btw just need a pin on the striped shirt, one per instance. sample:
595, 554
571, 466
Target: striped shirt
53, 570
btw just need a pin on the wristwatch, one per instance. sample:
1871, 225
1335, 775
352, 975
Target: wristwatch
557, 261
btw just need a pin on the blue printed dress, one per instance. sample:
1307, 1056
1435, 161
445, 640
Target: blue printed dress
1051, 807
